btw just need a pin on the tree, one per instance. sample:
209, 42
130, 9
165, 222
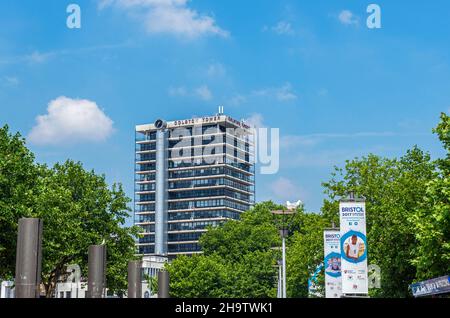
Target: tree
305, 252
432, 223
255, 231
78, 209
240, 257
238, 260
18, 175
198, 276
395, 191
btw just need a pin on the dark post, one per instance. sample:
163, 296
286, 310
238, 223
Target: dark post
28, 258
351, 196
163, 284
96, 271
135, 279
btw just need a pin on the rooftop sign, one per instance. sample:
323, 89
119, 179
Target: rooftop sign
198, 121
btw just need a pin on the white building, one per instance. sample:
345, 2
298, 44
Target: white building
71, 290
7, 290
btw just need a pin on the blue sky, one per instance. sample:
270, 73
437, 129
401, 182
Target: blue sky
335, 88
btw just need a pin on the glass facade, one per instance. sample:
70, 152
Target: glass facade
210, 179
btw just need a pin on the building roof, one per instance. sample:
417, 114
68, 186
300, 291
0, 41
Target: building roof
233, 123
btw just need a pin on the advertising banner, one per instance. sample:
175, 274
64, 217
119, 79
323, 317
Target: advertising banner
436, 286
332, 263
313, 285
353, 244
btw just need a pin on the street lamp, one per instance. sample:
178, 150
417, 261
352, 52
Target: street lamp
284, 232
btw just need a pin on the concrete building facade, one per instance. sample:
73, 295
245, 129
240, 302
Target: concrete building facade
189, 175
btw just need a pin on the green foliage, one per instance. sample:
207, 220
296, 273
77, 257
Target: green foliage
408, 230
432, 222
394, 189
17, 186
408, 204
77, 208
238, 259
255, 231
152, 282
198, 276
305, 252
408, 225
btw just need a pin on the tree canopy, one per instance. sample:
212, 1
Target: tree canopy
18, 182
77, 208
240, 257
238, 260
432, 221
408, 230
407, 213
408, 225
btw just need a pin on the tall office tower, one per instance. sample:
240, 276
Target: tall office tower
190, 174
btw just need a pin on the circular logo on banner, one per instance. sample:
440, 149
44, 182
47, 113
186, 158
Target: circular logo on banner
333, 264
354, 247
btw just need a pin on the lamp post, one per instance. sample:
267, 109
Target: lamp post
284, 232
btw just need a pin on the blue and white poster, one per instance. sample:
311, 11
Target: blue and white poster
332, 263
353, 244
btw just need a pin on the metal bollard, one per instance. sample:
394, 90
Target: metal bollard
29, 258
135, 279
163, 284
96, 271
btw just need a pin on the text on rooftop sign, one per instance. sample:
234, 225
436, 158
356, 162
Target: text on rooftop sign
208, 120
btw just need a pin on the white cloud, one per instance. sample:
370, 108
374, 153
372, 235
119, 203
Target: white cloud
10, 81
102, 4
281, 28
204, 93
178, 91
238, 100
348, 18
169, 16
216, 70
140, 3
255, 120
284, 190
320, 158
293, 141
70, 121
309, 151
285, 93
38, 58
